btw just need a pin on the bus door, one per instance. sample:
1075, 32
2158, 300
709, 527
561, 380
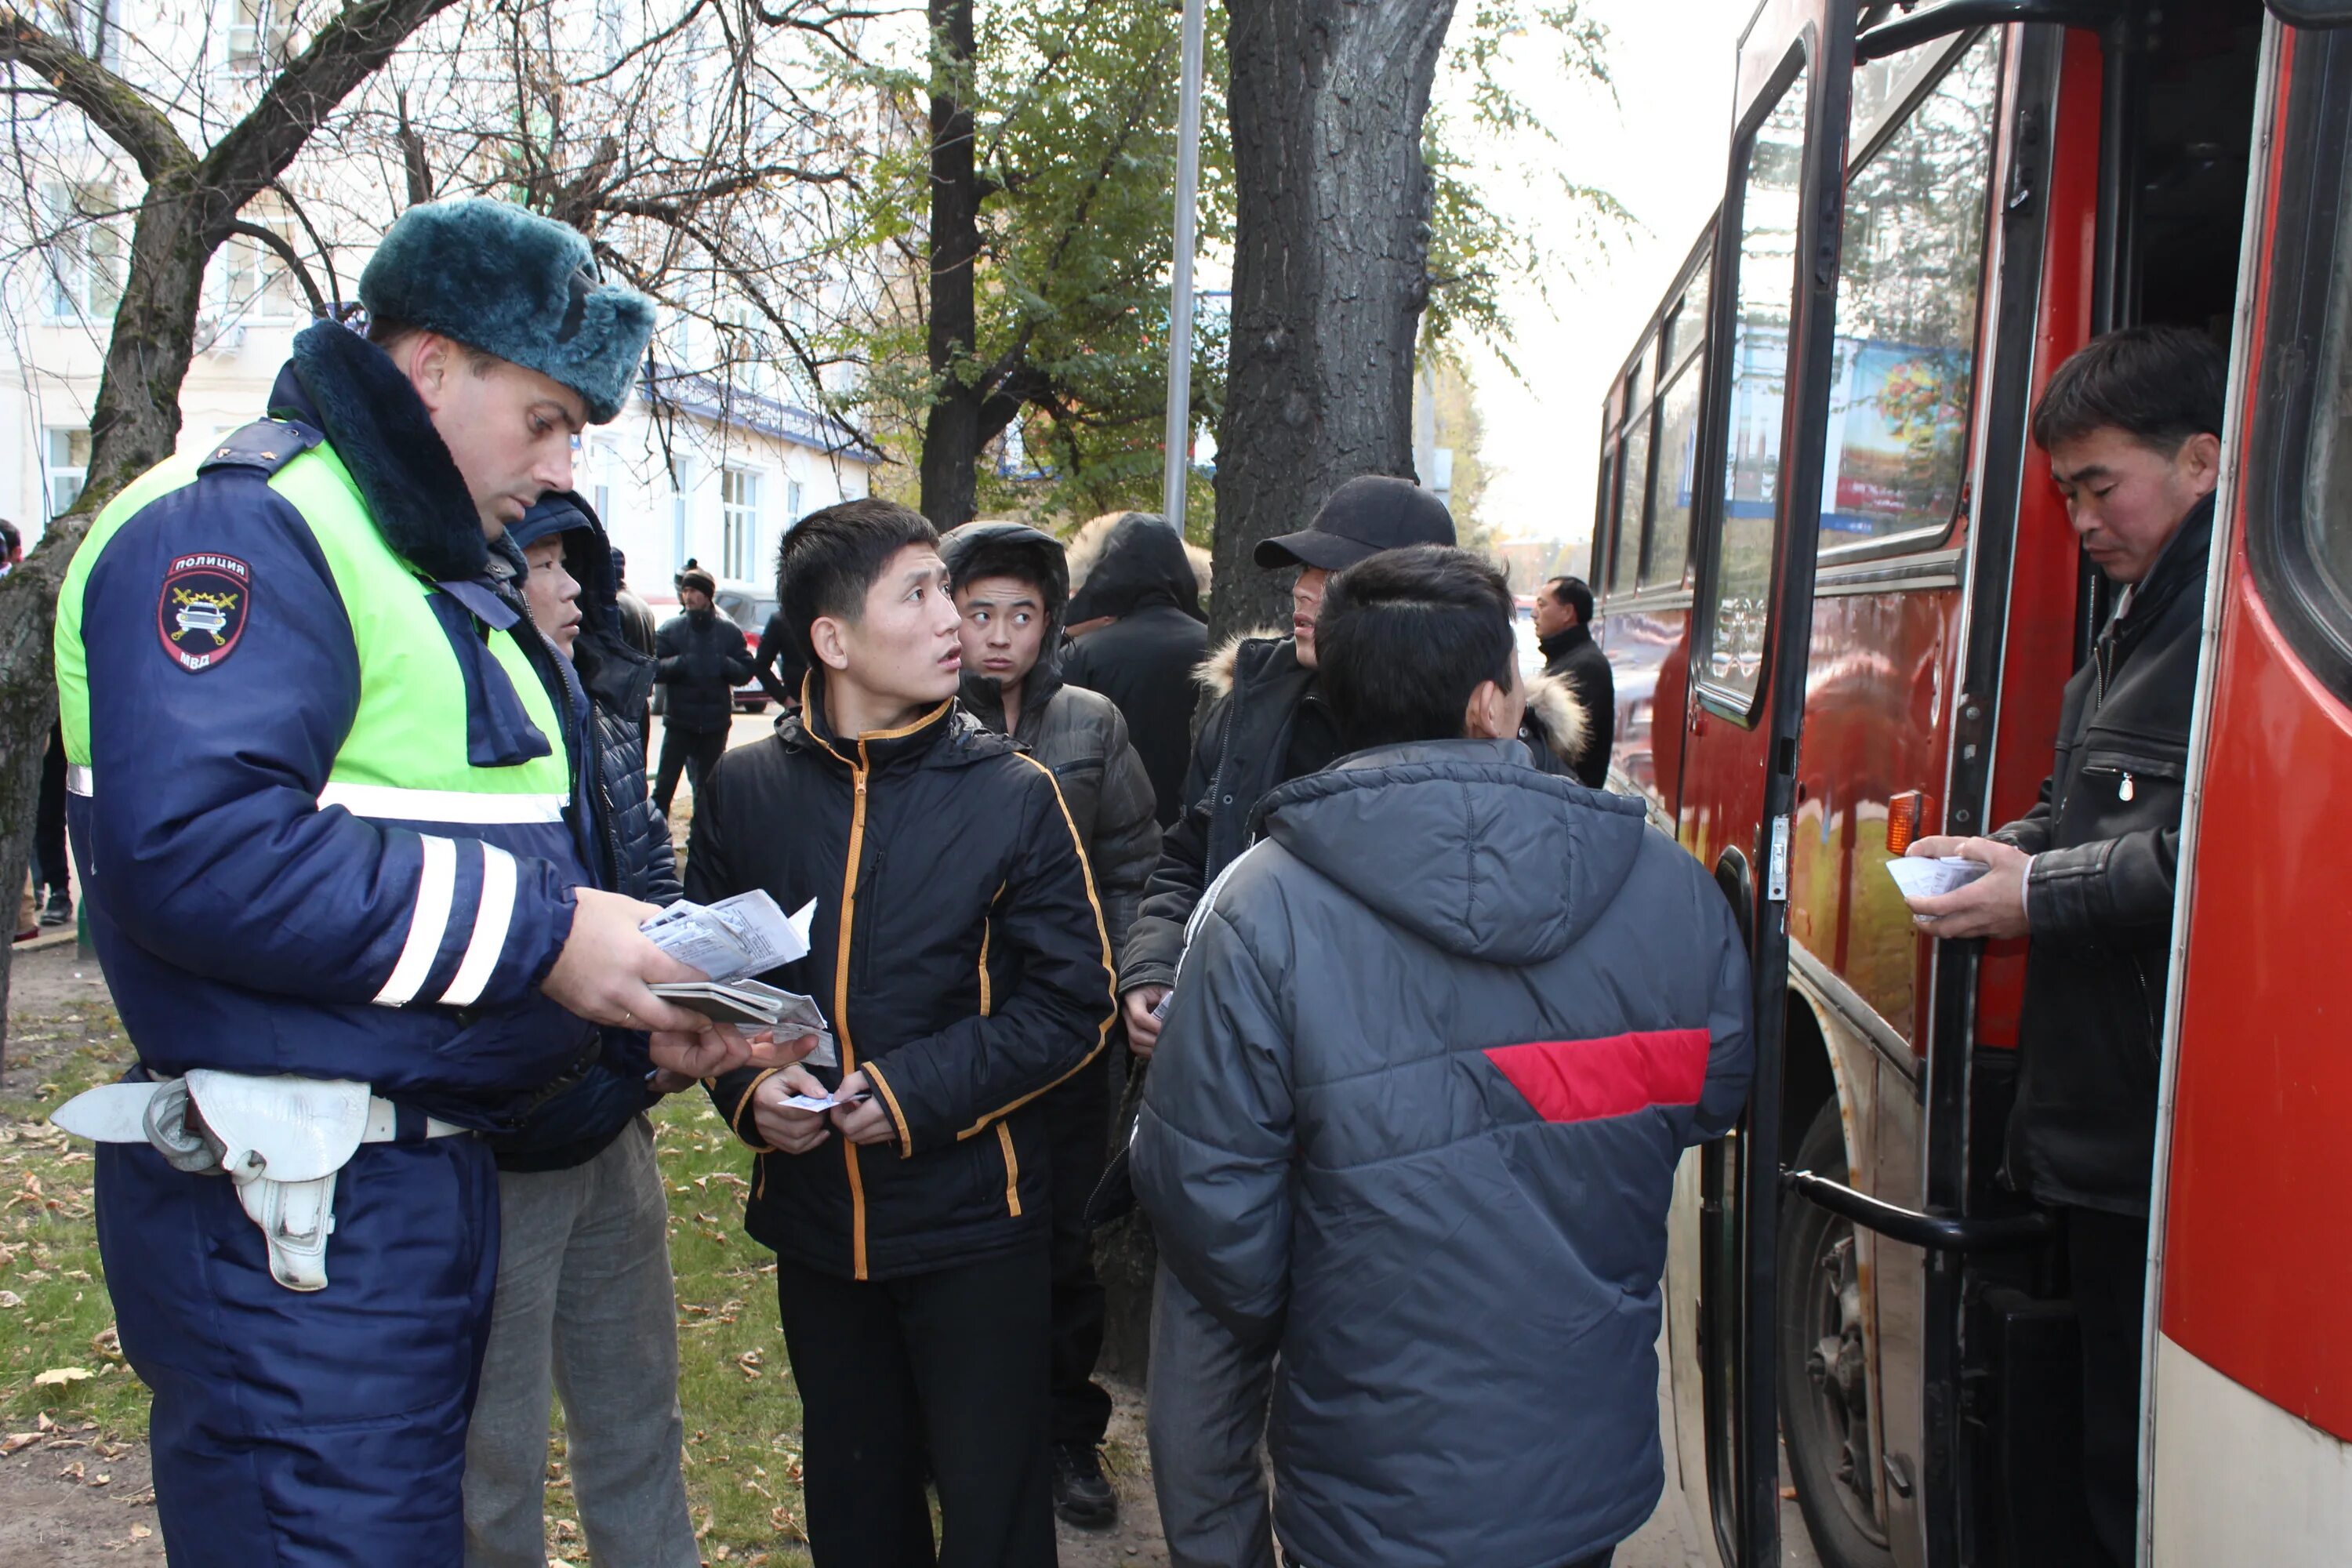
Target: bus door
1760, 449
2248, 1364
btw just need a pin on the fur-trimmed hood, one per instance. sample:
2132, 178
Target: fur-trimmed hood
340, 384
1555, 715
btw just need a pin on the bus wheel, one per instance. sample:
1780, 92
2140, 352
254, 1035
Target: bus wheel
1825, 1375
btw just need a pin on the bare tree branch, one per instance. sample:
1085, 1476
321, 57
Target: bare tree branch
286, 253
120, 112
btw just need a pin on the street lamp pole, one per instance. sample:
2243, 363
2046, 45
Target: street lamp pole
1179, 301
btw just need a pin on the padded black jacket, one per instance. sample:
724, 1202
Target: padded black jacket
958, 950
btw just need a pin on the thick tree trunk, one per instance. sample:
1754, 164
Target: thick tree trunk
1330, 267
133, 427
951, 439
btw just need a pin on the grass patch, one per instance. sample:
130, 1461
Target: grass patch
742, 1414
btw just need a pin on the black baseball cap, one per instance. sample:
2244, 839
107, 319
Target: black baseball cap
1364, 517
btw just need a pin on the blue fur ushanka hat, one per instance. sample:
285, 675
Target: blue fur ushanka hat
512, 283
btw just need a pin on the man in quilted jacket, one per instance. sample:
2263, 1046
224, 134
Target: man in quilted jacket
1416, 1122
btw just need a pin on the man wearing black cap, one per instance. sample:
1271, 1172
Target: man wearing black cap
702, 659
1268, 725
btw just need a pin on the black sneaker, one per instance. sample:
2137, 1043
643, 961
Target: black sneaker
59, 910
1081, 1494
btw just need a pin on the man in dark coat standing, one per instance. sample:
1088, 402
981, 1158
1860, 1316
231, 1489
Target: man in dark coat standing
1412, 1132
2132, 424
1564, 633
1146, 647
703, 659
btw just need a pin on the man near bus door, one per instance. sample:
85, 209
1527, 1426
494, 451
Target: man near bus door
1564, 637
333, 866
2132, 425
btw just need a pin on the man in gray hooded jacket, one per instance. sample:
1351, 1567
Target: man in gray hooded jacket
1437, 1042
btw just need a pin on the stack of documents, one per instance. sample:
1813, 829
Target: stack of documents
731, 941
1932, 875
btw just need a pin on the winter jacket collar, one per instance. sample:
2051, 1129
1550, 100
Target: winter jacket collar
1446, 839
341, 384
1564, 642
2180, 563
944, 736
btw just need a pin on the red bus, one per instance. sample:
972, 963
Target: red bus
1841, 598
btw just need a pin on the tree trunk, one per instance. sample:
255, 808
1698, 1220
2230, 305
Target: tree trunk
1330, 267
951, 430
134, 427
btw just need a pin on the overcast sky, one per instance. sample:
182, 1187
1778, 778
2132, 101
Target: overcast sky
1661, 150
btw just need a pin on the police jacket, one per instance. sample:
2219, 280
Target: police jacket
1413, 1125
1247, 746
633, 856
2105, 842
702, 660
959, 953
1573, 657
321, 783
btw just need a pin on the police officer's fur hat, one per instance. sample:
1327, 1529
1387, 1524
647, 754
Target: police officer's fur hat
514, 284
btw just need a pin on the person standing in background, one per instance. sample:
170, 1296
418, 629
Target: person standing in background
1139, 638
1564, 635
702, 660
779, 665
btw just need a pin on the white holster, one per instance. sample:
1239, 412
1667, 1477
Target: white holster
281, 1140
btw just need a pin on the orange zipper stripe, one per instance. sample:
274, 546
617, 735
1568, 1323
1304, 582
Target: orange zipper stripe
1011, 1169
841, 1005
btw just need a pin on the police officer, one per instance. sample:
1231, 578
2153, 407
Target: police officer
339, 881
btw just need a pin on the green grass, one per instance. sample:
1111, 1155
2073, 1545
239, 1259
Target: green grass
742, 1414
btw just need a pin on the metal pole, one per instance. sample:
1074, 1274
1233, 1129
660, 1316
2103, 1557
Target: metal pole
1180, 299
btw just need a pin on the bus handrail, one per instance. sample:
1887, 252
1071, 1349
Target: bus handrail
1956, 16
1946, 1233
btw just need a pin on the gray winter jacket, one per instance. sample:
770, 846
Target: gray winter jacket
1437, 1043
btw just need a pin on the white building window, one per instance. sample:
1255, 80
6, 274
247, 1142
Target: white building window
259, 37
95, 26
739, 519
69, 463
792, 512
86, 255
258, 285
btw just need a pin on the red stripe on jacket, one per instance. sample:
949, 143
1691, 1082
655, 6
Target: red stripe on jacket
1582, 1081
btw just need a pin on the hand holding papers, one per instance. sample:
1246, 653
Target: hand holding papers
729, 941
1931, 877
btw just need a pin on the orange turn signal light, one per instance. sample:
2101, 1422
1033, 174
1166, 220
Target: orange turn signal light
1906, 819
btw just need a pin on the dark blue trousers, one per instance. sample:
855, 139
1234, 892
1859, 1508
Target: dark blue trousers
307, 1429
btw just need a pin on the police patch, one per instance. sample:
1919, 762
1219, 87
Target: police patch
203, 609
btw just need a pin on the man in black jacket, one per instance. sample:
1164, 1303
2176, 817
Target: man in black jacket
779, 665
960, 955
1139, 640
584, 1307
2132, 424
1011, 585
702, 659
1268, 726
1564, 634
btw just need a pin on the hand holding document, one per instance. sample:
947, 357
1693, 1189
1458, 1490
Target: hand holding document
729, 941
1931, 877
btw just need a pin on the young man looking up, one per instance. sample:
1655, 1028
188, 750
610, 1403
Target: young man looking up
959, 953
1415, 1122
1011, 582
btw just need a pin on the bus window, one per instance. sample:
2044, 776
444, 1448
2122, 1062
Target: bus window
1669, 541
1733, 624
2302, 554
1636, 476
1909, 279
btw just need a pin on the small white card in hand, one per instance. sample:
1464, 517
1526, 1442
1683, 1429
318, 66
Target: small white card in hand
811, 1101
1931, 877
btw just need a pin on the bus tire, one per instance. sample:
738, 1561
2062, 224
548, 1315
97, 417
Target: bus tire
1824, 1393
